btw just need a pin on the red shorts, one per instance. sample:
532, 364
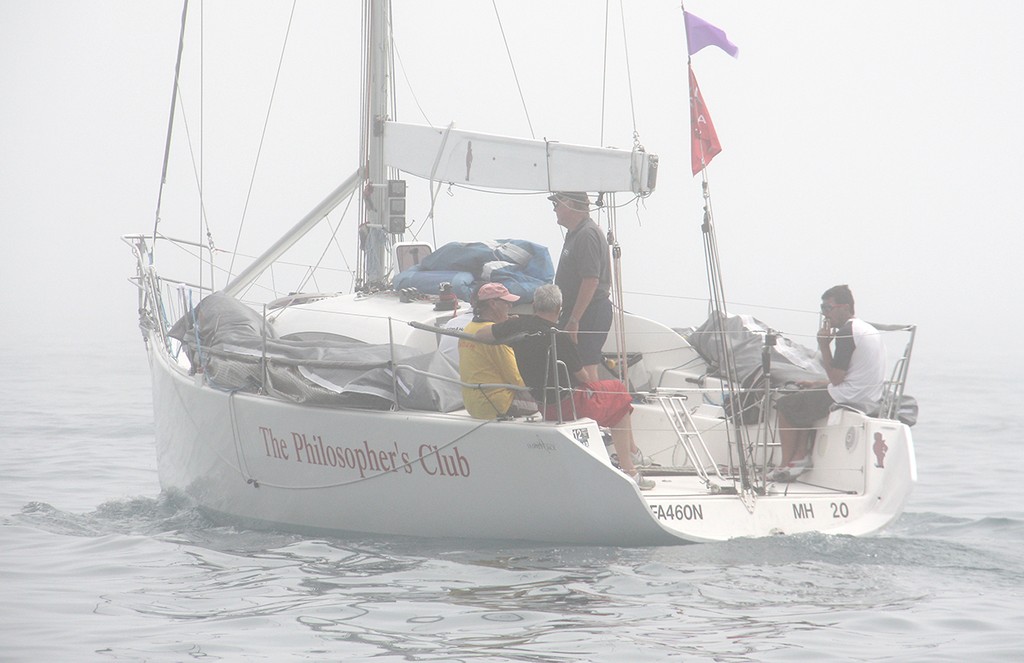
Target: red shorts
604, 401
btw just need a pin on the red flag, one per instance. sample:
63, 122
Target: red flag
704, 143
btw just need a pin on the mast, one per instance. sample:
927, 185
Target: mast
373, 236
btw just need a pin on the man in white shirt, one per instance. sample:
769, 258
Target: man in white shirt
856, 371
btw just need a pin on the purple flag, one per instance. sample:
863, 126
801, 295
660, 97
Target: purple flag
700, 33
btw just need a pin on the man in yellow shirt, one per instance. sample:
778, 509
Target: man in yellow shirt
480, 363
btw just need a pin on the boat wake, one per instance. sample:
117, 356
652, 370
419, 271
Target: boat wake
135, 515
916, 539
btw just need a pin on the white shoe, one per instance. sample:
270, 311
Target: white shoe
640, 460
789, 472
642, 482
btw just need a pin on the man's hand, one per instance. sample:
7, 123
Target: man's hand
825, 336
573, 327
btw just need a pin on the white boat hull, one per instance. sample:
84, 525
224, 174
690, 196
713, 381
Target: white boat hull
319, 469
267, 462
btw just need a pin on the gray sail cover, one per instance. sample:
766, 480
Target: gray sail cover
231, 343
790, 362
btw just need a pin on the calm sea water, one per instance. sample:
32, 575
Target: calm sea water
96, 565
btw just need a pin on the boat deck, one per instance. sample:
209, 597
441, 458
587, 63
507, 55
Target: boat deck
685, 482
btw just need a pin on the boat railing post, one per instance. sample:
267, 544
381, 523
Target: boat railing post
569, 388
892, 389
770, 340
150, 301
263, 359
618, 296
903, 368
392, 363
139, 249
553, 356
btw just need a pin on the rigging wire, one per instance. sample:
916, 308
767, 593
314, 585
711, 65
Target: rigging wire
334, 240
604, 70
512, 64
629, 75
363, 158
617, 292
392, 173
170, 124
727, 367
629, 70
178, 99
263, 135
405, 76
202, 134
197, 174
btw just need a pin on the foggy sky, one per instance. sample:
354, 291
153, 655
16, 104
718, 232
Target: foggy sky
876, 144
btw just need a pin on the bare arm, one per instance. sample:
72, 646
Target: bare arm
835, 375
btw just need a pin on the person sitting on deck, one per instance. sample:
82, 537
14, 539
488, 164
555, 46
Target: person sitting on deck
855, 375
449, 345
605, 401
480, 363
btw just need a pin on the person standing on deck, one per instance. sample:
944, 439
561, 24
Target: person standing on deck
855, 372
584, 277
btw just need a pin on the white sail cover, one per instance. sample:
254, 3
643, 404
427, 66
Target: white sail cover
485, 160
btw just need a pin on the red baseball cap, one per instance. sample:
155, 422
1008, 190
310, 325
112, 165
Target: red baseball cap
495, 291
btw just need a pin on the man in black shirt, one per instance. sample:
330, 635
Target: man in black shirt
584, 276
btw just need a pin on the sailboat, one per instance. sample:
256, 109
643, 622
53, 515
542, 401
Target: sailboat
331, 413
